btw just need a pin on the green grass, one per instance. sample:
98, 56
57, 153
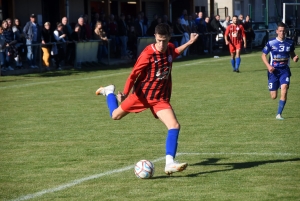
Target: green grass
55, 131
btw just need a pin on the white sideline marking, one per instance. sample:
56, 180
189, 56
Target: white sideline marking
102, 76
96, 176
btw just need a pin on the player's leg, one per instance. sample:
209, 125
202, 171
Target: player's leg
232, 56
168, 118
282, 101
237, 60
115, 111
284, 85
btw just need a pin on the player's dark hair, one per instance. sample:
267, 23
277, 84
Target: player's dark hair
163, 29
281, 24
235, 16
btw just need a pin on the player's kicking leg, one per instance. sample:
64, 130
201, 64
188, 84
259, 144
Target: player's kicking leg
167, 116
115, 111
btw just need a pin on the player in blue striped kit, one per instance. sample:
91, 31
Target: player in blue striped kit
281, 50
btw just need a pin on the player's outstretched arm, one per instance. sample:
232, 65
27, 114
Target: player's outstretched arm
193, 38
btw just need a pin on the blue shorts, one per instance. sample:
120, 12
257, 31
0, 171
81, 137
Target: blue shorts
279, 77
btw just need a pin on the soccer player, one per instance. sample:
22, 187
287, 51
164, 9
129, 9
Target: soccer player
281, 50
151, 85
234, 37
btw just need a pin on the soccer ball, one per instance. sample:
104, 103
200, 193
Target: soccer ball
144, 169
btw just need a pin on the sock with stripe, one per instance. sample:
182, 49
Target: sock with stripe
171, 145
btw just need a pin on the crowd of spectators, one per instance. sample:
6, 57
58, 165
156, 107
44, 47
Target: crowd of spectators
19, 44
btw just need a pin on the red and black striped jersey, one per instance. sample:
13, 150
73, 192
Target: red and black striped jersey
235, 33
151, 75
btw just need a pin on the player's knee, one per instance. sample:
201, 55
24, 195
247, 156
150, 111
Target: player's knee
273, 96
176, 125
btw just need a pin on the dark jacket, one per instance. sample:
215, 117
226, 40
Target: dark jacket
122, 28
28, 31
46, 36
215, 25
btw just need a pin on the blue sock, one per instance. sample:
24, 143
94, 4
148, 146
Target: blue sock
171, 142
237, 63
281, 106
112, 103
232, 63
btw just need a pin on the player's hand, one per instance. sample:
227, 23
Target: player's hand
271, 69
121, 97
296, 58
226, 42
193, 37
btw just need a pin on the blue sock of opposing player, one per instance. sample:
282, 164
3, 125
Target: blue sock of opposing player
232, 63
112, 103
171, 143
237, 63
281, 106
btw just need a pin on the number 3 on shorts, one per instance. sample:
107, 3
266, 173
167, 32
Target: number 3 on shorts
270, 85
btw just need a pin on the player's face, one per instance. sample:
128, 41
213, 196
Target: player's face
234, 20
280, 32
161, 42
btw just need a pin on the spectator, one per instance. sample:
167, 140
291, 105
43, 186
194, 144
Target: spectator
99, 34
144, 22
151, 29
10, 51
207, 37
87, 27
68, 31
104, 22
250, 35
19, 37
82, 31
3, 45
129, 21
75, 38
165, 19
32, 33
59, 37
138, 24
184, 12
241, 19
112, 34
185, 24
122, 33
201, 29
216, 28
132, 42
226, 22
179, 30
46, 47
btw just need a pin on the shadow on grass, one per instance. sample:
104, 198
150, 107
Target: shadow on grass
229, 166
235, 166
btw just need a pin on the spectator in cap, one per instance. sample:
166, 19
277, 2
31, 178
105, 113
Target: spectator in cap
32, 32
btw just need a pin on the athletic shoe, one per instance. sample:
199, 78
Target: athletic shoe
237, 71
175, 167
279, 117
105, 90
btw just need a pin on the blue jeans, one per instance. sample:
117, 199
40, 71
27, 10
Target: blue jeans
31, 52
3, 59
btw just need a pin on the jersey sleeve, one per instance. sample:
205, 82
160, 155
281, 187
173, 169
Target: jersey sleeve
267, 48
141, 64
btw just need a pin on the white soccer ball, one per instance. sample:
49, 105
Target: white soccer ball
144, 169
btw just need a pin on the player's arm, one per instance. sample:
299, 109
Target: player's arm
226, 35
140, 65
193, 38
294, 56
265, 60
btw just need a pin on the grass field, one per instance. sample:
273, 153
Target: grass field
58, 142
